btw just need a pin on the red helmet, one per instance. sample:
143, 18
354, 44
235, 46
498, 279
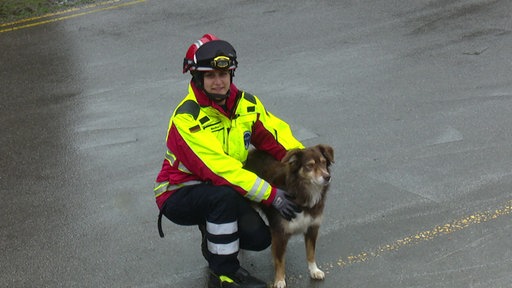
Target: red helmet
210, 53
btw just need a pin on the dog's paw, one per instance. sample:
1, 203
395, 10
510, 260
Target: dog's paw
280, 284
316, 273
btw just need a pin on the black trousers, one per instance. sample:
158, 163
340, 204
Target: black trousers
219, 206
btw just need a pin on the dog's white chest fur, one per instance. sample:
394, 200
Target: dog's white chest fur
301, 223
315, 192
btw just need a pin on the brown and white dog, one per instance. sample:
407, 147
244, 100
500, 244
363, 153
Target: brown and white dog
304, 174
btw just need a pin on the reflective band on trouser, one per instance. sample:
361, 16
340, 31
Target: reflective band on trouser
224, 249
161, 187
222, 229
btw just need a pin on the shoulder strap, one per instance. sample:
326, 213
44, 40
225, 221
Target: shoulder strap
189, 107
249, 97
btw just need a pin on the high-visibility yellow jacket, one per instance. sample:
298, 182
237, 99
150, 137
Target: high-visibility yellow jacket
207, 144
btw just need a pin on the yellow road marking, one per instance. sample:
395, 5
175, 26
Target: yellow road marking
16, 25
437, 231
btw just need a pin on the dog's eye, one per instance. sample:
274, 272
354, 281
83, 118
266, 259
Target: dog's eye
309, 166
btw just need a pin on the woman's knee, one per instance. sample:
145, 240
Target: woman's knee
257, 241
254, 233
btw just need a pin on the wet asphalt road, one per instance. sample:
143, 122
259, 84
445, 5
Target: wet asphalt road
414, 96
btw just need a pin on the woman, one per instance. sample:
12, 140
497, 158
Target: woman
202, 181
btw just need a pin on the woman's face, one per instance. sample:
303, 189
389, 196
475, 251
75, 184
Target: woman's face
217, 82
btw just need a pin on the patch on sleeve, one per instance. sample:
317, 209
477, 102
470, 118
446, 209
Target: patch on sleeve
194, 129
204, 120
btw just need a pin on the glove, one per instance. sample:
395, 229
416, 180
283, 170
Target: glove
285, 206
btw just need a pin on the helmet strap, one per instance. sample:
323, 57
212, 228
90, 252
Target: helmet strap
217, 97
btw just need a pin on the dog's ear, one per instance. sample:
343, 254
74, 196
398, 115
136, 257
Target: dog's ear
292, 158
289, 155
327, 151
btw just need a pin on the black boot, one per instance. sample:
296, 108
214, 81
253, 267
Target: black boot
240, 279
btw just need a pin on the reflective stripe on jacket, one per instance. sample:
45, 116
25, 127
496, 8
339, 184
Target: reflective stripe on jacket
205, 144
